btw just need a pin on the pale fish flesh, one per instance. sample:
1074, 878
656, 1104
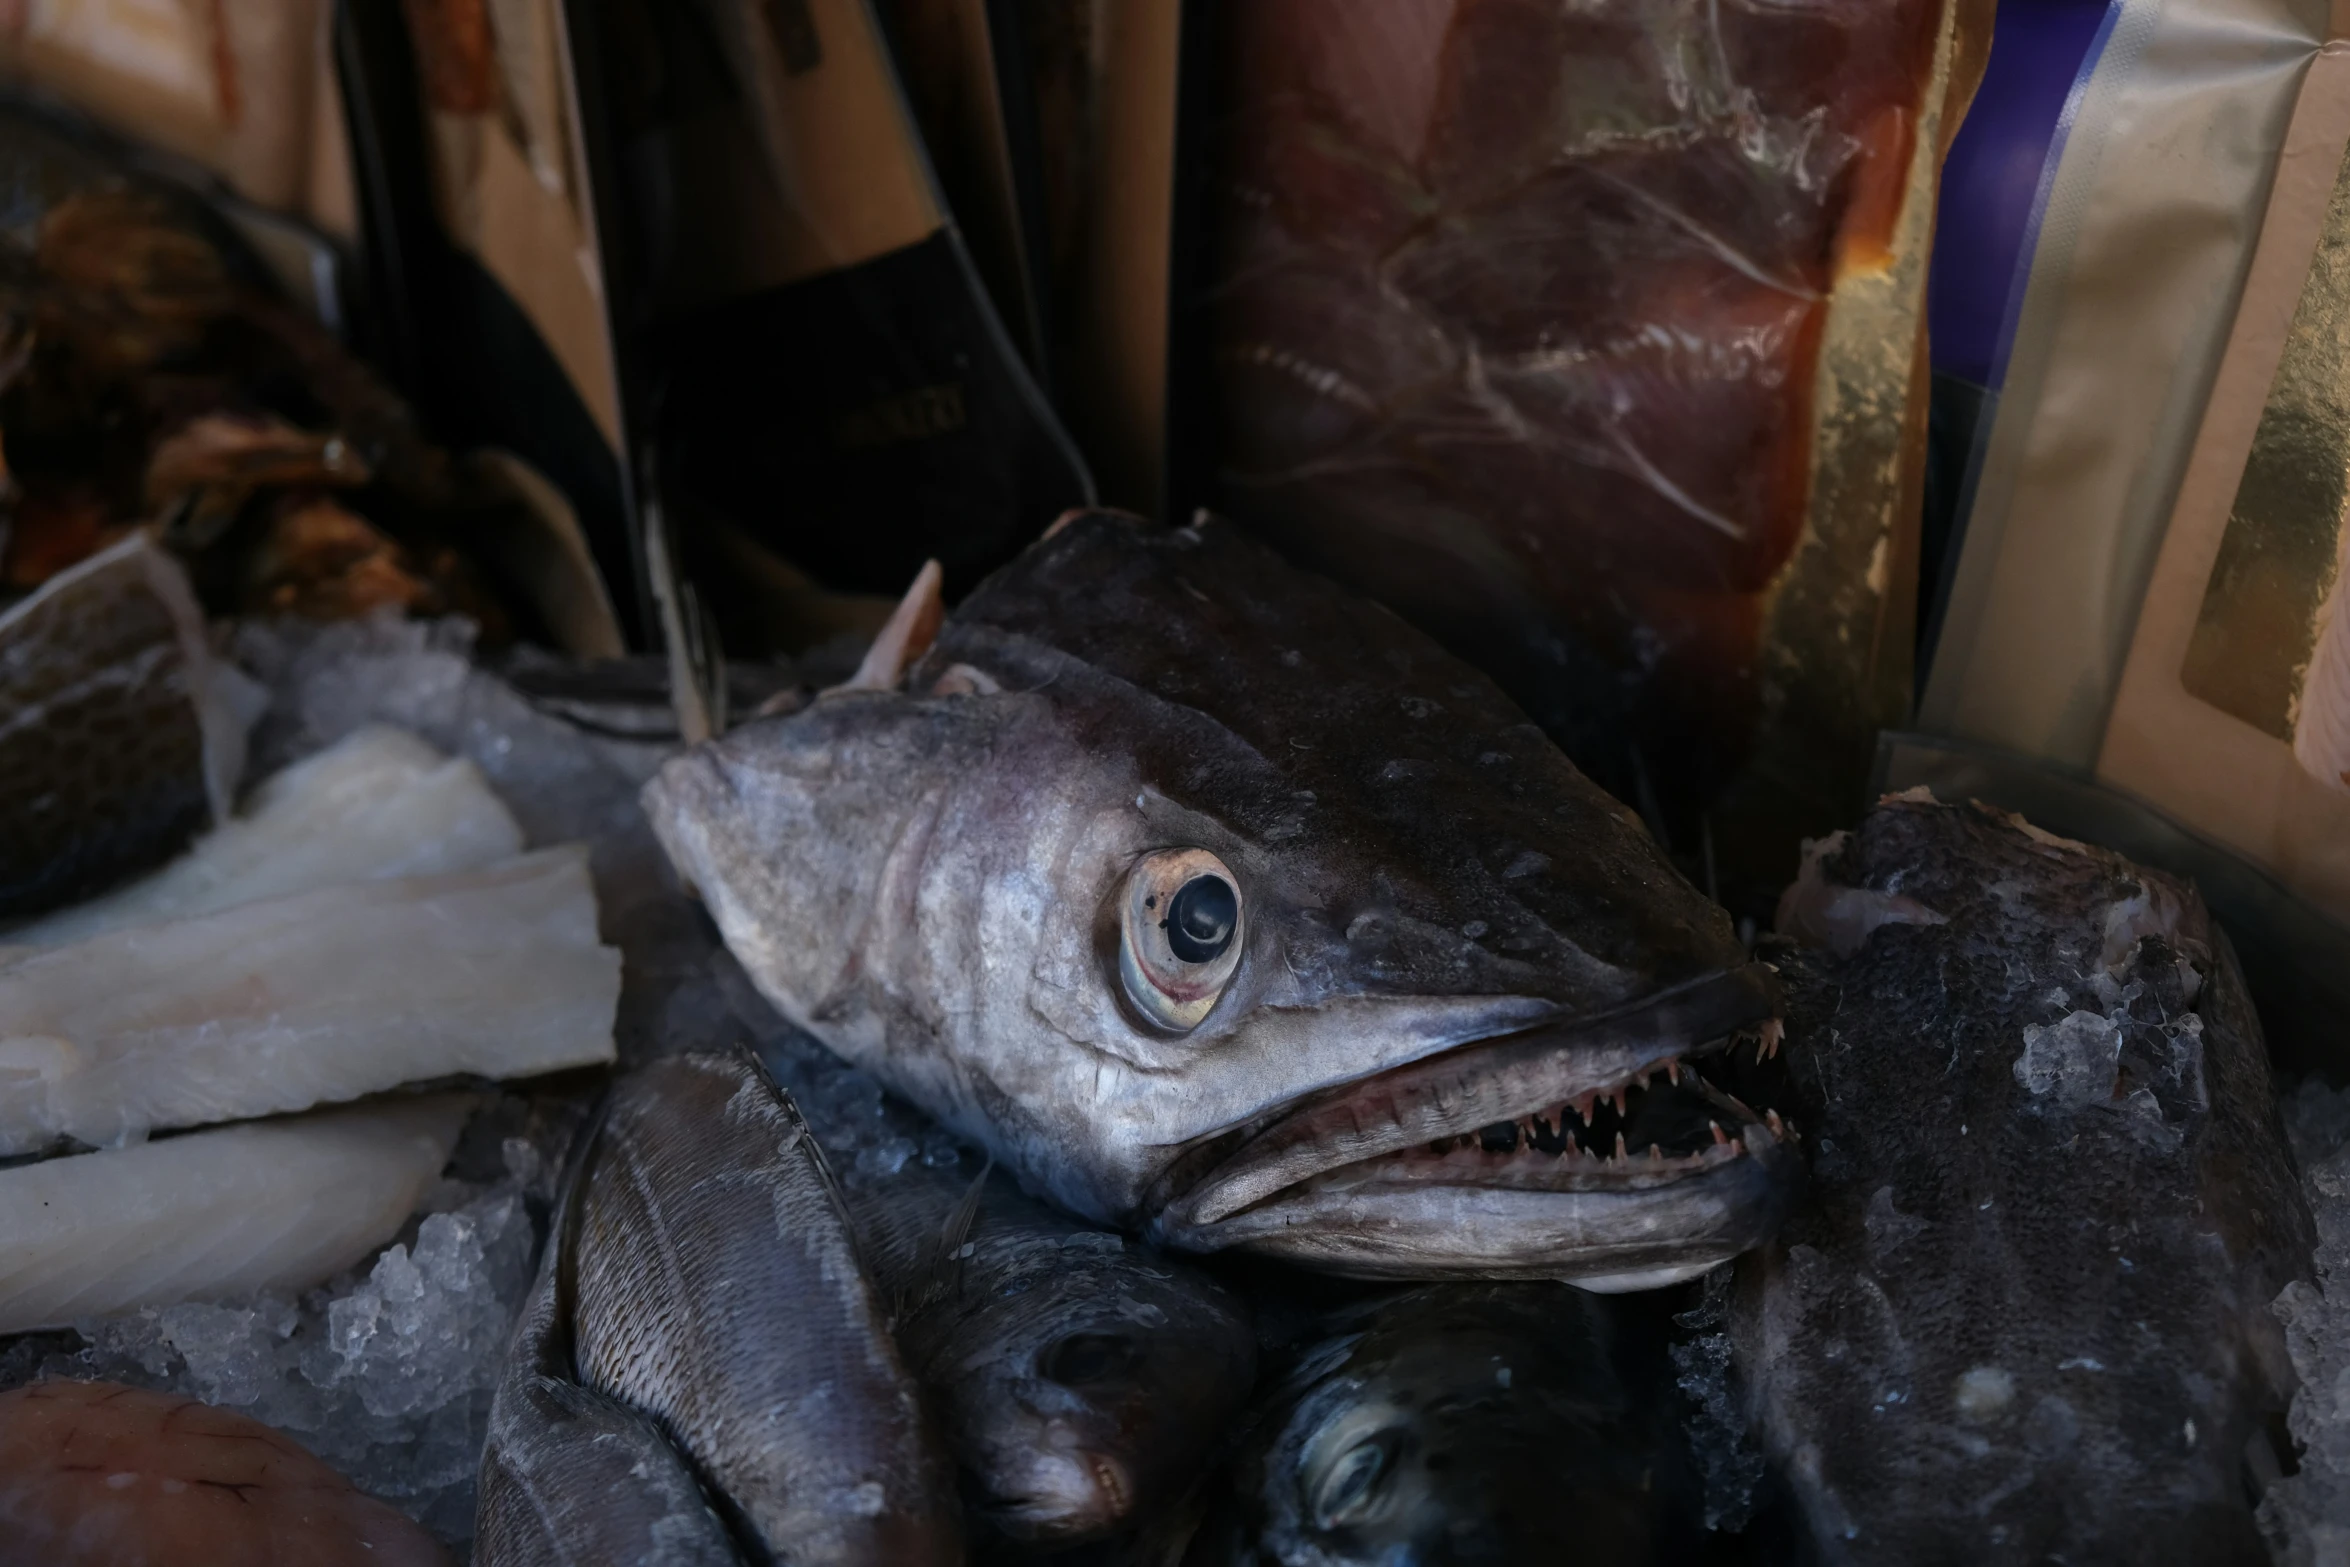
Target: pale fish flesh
97, 1475
1216, 902
220, 1213
2023, 1315
120, 734
323, 996
718, 1290
378, 804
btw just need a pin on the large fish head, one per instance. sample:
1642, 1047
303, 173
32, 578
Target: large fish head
1221, 904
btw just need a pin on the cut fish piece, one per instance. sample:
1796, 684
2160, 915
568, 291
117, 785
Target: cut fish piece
322, 996
120, 734
379, 804
93, 1474
272, 1205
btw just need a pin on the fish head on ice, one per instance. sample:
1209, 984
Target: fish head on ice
1221, 904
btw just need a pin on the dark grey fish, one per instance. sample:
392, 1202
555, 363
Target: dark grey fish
1216, 902
1080, 1380
122, 735
2024, 1315
1504, 1423
717, 1289
572, 1478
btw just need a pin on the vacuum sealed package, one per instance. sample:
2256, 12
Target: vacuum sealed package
245, 89
817, 392
965, 66
2141, 643
1593, 342
241, 99
489, 306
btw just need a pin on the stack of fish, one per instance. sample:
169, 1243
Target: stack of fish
1195, 906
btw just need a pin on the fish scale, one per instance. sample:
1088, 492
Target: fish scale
718, 1290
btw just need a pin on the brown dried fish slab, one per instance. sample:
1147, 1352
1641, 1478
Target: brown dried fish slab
121, 735
719, 1291
2024, 1315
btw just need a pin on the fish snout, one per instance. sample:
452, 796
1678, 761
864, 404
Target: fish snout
1065, 1492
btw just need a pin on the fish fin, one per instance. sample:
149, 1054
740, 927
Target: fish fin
907, 635
943, 1275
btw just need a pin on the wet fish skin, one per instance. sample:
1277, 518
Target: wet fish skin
1459, 1423
718, 1290
123, 737
930, 881
1080, 1380
2024, 1314
573, 1478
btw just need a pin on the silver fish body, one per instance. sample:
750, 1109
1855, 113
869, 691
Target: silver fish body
717, 1289
2023, 1315
1080, 1380
1217, 903
574, 1478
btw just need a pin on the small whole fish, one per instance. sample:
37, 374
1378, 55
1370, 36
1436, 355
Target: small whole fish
2023, 1315
1458, 1423
717, 1289
1217, 903
1081, 1381
571, 1477
124, 735
97, 1475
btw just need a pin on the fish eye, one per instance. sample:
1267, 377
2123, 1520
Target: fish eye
1179, 940
1351, 1483
1083, 1359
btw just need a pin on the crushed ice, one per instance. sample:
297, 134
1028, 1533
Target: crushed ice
385, 1373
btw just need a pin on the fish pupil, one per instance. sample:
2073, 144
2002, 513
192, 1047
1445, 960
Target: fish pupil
1200, 918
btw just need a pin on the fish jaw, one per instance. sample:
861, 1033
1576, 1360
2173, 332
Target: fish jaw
1479, 1161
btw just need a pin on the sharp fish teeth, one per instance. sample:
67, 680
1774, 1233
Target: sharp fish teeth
1673, 1072
1656, 1153
1720, 1136
1620, 1153
1778, 1127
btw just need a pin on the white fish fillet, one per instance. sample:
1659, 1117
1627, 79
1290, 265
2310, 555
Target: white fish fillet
381, 803
322, 996
271, 1205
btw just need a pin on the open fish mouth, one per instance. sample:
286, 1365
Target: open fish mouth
1614, 1151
